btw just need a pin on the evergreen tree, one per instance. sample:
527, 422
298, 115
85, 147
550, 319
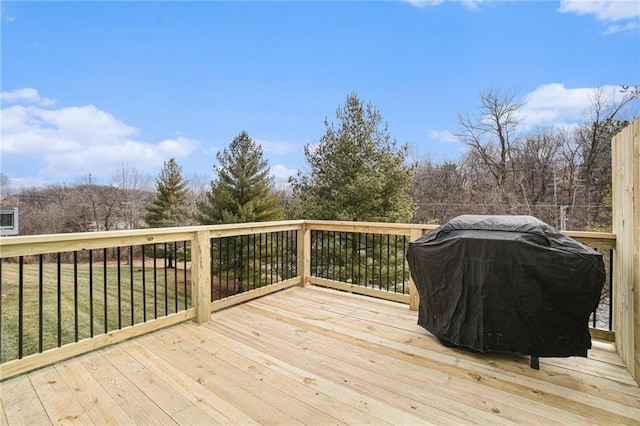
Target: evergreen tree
243, 190
170, 207
357, 171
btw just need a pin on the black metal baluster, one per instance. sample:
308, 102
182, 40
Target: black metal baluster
395, 263
76, 334
610, 289
231, 240
255, 283
338, 259
333, 255
323, 262
270, 245
133, 318
264, 258
359, 259
314, 257
220, 265
366, 259
166, 282
281, 255
373, 260
59, 296
105, 290
286, 253
186, 286
246, 261
404, 262
381, 261
353, 258
40, 302
388, 260
155, 281
90, 293
175, 275
292, 255
20, 305
119, 289
211, 272
248, 246
144, 286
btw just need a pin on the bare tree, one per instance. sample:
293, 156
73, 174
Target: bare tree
592, 143
134, 194
5, 187
438, 191
198, 184
491, 135
535, 160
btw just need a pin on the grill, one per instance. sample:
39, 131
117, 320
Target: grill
506, 284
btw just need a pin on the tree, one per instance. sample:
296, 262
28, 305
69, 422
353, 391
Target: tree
535, 161
357, 171
133, 195
593, 146
170, 207
490, 136
5, 187
243, 190
439, 192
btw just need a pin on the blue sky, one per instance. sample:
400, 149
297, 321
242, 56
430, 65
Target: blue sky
90, 86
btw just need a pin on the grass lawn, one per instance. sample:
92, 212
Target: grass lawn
93, 299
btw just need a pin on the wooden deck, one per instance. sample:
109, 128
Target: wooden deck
316, 356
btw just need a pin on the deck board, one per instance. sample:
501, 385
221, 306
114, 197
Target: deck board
317, 356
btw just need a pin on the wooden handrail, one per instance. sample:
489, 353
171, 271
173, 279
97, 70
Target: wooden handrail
199, 238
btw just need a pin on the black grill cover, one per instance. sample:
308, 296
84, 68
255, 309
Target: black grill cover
506, 284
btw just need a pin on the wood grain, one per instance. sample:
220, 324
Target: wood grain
310, 355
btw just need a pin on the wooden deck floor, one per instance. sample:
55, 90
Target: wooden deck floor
316, 356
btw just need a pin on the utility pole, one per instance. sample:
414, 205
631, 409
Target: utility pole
563, 217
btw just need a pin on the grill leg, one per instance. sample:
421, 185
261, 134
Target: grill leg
535, 362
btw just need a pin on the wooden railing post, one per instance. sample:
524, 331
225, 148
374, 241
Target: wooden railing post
201, 276
304, 254
414, 299
625, 168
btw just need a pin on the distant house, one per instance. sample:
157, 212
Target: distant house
9, 222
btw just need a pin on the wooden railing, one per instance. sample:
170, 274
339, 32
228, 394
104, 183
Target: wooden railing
66, 294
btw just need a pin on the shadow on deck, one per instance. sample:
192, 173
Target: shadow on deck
317, 356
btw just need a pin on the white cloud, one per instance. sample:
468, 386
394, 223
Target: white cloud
550, 106
612, 29
555, 105
473, 4
26, 95
469, 4
604, 10
423, 3
276, 147
281, 173
211, 150
71, 142
444, 136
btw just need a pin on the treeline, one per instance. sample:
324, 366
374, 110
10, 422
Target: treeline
358, 172
84, 206
560, 175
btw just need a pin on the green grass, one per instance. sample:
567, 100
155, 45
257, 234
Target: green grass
159, 302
